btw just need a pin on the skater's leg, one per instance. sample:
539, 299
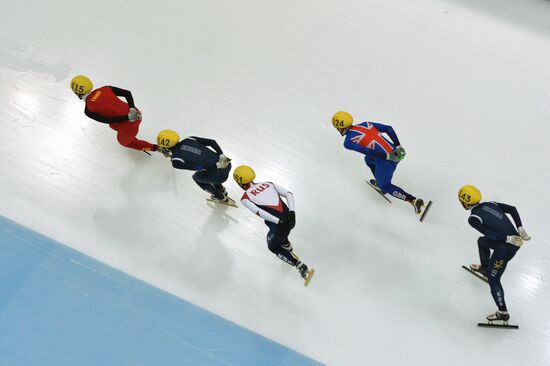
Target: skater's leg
502, 254
371, 164
211, 181
219, 176
484, 246
126, 136
383, 176
276, 238
202, 179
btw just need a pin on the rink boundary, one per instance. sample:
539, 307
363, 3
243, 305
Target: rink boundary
59, 306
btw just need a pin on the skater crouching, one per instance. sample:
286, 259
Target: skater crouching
499, 235
381, 155
201, 155
264, 199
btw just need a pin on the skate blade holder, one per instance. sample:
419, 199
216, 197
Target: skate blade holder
503, 325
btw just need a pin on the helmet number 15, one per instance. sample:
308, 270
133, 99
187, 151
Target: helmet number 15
78, 88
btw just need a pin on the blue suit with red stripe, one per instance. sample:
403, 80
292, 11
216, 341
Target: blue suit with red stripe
367, 139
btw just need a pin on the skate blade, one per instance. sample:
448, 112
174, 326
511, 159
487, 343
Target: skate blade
308, 277
498, 325
425, 211
230, 202
478, 275
377, 191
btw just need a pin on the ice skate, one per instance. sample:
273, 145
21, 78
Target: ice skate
222, 198
217, 198
374, 186
421, 208
498, 316
221, 194
305, 272
418, 204
478, 271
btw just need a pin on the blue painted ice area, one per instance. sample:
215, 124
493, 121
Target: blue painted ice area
60, 307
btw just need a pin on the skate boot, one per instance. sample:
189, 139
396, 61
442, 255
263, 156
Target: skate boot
220, 189
375, 185
302, 268
499, 316
418, 204
219, 198
305, 272
479, 269
220, 195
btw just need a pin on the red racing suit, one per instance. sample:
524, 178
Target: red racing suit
105, 106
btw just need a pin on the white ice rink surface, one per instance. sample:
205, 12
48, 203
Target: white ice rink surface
466, 85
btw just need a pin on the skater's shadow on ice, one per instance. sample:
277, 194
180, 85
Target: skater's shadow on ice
142, 226
210, 262
130, 223
222, 211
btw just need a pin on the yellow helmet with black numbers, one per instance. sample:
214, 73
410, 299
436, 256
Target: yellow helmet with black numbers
342, 120
469, 195
244, 174
168, 138
81, 85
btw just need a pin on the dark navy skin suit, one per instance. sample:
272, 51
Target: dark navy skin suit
194, 153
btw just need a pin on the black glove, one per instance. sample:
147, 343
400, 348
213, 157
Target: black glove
292, 219
288, 221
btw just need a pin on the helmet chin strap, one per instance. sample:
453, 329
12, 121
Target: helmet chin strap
343, 130
84, 96
467, 206
245, 186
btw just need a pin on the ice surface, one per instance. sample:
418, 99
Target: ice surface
466, 85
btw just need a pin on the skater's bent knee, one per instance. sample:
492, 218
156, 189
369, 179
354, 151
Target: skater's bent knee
273, 247
125, 140
386, 187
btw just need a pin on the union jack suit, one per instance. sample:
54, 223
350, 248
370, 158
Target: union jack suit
367, 139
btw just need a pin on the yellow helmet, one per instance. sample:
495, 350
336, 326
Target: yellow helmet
81, 85
168, 138
342, 120
244, 174
469, 195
